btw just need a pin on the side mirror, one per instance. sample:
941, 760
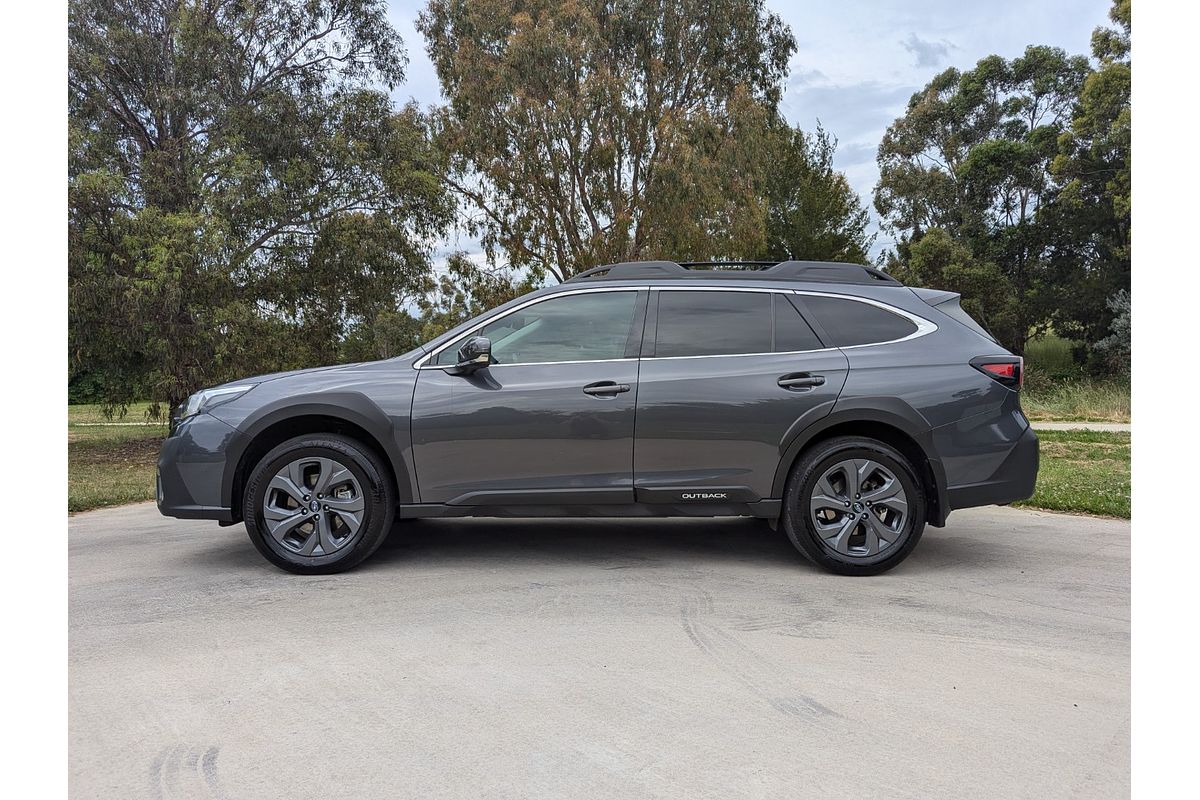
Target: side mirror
475, 354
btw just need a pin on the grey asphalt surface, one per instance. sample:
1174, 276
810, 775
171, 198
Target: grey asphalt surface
607, 659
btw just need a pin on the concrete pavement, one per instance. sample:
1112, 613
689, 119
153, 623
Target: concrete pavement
607, 659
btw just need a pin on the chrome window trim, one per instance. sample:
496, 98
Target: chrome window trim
544, 363
741, 355
924, 326
421, 362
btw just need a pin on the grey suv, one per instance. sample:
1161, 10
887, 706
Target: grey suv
826, 398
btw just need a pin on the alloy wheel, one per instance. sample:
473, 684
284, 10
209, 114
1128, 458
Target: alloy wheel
859, 508
313, 506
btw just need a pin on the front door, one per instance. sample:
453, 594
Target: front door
550, 421
728, 377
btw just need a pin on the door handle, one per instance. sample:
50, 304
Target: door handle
605, 388
801, 381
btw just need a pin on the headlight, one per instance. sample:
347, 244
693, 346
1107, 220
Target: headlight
205, 399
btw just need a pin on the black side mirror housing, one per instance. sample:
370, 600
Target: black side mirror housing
475, 354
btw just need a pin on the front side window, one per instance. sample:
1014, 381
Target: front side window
581, 327
849, 322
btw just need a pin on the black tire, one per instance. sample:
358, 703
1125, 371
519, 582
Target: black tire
798, 523
378, 493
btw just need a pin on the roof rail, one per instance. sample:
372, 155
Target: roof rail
634, 269
808, 271
752, 265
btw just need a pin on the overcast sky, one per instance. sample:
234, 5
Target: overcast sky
858, 61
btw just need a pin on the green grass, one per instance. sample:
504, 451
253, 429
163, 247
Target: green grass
1085, 401
1084, 472
1051, 355
110, 464
89, 414
1056, 388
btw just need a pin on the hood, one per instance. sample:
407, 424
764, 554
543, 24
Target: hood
358, 366
271, 376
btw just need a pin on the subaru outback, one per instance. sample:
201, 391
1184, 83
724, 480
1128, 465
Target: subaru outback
828, 399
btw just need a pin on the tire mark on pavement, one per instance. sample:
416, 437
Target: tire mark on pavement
181, 772
744, 664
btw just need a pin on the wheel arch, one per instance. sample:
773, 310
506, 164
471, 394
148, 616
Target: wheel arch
349, 414
904, 430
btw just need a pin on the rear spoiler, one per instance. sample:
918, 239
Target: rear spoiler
948, 304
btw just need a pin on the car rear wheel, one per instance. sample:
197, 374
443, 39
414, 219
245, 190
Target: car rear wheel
319, 503
854, 506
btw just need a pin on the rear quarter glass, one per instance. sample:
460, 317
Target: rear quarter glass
850, 322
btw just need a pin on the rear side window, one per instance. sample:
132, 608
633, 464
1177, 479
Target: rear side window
849, 322
713, 323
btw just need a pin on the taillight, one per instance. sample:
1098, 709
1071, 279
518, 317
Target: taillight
1009, 370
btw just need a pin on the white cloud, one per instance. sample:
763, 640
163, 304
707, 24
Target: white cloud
928, 53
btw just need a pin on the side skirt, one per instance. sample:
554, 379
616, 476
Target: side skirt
763, 509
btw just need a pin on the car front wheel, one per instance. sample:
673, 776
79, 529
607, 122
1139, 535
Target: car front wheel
319, 503
854, 506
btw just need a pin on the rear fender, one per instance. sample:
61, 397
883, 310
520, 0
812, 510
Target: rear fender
888, 411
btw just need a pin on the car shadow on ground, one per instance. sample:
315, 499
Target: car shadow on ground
603, 543
612, 543
585, 541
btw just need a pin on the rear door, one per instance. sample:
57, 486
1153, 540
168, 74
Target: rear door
728, 377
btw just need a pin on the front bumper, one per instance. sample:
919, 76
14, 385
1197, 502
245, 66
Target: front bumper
192, 469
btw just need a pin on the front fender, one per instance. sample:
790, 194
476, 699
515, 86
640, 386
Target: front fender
348, 406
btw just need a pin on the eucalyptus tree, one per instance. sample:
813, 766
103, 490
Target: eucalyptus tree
971, 156
1093, 208
607, 130
241, 188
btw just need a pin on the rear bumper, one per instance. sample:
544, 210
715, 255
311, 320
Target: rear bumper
191, 466
1013, 479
